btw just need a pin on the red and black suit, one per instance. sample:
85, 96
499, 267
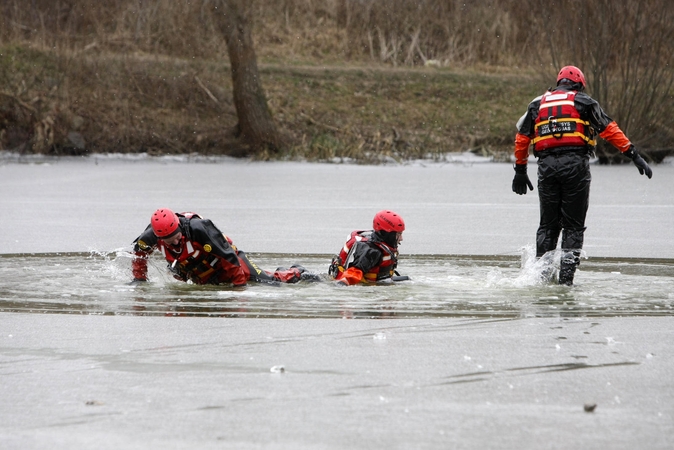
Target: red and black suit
561, 125
367, 257
204, 255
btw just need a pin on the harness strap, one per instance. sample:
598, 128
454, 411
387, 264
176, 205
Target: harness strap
589, 141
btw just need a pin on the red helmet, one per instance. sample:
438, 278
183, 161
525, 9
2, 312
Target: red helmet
572, 73
164, 222
388, 221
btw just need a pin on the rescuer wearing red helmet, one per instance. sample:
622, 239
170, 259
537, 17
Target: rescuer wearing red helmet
370, 256
197, 250
562, 125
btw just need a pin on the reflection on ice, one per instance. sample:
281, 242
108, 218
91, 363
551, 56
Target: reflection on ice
440, 286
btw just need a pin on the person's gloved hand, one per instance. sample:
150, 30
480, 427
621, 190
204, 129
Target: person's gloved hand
521, 180
639, 161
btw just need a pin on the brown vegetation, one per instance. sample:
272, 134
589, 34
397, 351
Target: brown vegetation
343, 78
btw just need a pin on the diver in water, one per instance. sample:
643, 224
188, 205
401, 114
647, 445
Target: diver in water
197, 250
370, 256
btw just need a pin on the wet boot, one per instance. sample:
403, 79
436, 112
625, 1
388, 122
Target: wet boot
295, 274
305, 275
567, 268
566, 274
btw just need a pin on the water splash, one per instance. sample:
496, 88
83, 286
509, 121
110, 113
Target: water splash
440, 286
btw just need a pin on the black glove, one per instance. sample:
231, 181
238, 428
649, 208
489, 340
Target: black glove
400, 278
639, 161
521, 180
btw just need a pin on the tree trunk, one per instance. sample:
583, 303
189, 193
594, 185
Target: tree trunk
256, 126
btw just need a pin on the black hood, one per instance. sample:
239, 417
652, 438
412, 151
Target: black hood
567, 85
387, 237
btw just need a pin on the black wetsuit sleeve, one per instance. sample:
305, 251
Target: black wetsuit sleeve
590, 110
364, 257
146, 242
205, 232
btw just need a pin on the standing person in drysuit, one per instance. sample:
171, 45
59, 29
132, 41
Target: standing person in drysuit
370, 256
561, 124
196, 250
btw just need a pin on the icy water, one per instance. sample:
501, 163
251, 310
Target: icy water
475, 351
439, 286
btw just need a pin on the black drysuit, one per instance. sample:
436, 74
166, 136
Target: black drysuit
564, 179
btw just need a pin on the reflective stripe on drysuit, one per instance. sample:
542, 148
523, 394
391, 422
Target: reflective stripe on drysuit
382, 268
559, 124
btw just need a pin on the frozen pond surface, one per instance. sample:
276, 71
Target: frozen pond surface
468, 207
481, 353
107, 382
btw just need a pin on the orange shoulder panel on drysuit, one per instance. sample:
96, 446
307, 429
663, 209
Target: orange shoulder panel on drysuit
351, 276
615, 136
522, 148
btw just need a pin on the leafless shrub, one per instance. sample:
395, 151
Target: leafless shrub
414, 32
398, 32
626, 51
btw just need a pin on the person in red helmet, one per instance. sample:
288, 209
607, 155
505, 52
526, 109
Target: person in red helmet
562, 125
370, 256
198, 251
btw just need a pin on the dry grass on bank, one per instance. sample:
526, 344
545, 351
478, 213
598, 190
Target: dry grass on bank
160, 105
344, 78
